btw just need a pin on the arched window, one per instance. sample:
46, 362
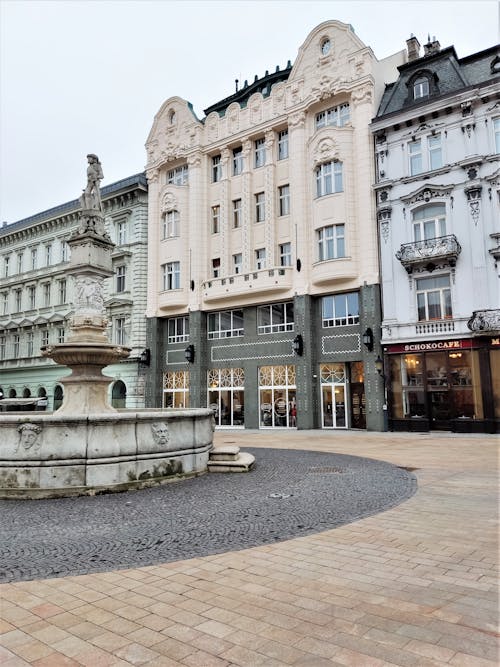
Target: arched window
119, 394
421, 87
26, 393
429, 222
12, 393
58, 396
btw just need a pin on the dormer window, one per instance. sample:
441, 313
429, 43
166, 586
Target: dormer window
421, 88
495, 65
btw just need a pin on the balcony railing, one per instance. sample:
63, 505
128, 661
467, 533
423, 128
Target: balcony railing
277, 280
429, 251
485, 321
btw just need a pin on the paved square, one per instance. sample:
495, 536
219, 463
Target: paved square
415, 585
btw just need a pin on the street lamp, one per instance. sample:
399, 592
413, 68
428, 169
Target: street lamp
189, 354
368, 339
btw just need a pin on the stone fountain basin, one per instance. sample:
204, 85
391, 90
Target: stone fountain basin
90, 453
86, 354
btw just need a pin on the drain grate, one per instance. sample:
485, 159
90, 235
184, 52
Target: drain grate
326, 470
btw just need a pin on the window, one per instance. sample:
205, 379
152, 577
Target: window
48, 254
178, 329
16, 346
434, 298
283, 144
237, 161
260, 258
215, 219
120, 331
337, 117
5, 303
425, 154
18, 297
226, 395
171, 275
64, 251
331, 242
62, 291
121, 232
329, 178
236, 213
29, 344
178, 176
496, 128
225, 324
3, 342
284, 199
275, 318
421, 88
121, 272
45, 336
6, 263
32, 297
176, 389
285, 254
46, 294
216, 267
170, 224
237, 262
34, 258
260, 152
260, 207
340, 309
429, 222
60, 335
19, 262
216, 169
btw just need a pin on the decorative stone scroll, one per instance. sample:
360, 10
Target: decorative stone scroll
485, 320
384, 219
473, 194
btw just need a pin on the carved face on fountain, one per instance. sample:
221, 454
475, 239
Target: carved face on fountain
28, 436
160, 433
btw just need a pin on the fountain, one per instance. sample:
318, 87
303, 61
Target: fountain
86, 446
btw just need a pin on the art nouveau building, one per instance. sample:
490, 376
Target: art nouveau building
263, 291
36, 296
437, 142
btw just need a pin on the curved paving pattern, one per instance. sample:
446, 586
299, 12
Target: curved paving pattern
288, 494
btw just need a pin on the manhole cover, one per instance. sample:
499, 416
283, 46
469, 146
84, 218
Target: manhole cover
279, 495
326, 470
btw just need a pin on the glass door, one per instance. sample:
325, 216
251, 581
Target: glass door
333, 395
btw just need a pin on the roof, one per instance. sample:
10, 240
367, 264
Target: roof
447, 74
73, 205
262, 85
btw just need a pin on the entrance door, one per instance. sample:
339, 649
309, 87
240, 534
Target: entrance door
333, 397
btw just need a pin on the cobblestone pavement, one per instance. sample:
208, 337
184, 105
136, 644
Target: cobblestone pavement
415, 585
288, 493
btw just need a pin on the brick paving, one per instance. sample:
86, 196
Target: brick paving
414, 585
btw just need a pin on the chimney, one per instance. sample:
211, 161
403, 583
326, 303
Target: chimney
413, 46
431, 47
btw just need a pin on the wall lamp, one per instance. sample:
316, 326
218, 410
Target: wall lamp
368, 339
145, 357
298, 345
379, 365
189, 353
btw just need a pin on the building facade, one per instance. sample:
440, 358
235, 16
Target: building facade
263, 290
437, 143
36, 297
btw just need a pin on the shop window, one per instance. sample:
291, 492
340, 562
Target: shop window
176, 389
226, 395
277, 397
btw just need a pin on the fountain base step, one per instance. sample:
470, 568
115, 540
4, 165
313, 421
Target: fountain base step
229, 459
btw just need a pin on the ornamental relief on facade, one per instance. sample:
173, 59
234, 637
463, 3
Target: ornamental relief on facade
362, 95
168, 202
278, 97
255, 106
327, 86
325, 151
233, 118
426, 194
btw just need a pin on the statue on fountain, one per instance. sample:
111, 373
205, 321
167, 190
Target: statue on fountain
92, 211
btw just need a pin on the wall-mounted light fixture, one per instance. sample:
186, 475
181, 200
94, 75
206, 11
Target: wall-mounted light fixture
189, 353
298, 345
145, 357
368, 339
379, 365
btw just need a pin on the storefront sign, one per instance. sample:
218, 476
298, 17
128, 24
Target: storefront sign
430, 346
495, 342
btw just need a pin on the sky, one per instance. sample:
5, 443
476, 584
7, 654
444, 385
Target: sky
79, 77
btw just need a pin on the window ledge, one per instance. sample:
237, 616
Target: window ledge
424, 175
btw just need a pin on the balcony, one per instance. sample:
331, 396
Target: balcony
264, 281
397, 332
485, 321
430, 252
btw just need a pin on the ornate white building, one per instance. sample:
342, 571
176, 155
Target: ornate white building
437, 143
263, 291
36, 297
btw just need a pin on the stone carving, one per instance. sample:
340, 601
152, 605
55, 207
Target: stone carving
89, 296
169, 202
297, 120
327, 87
384, 218
160, 434
362, 95
29, 437
473, 194
325, 151
426, 194
91, 196
485, 320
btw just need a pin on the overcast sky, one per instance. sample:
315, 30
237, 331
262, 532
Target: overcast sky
89, 76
